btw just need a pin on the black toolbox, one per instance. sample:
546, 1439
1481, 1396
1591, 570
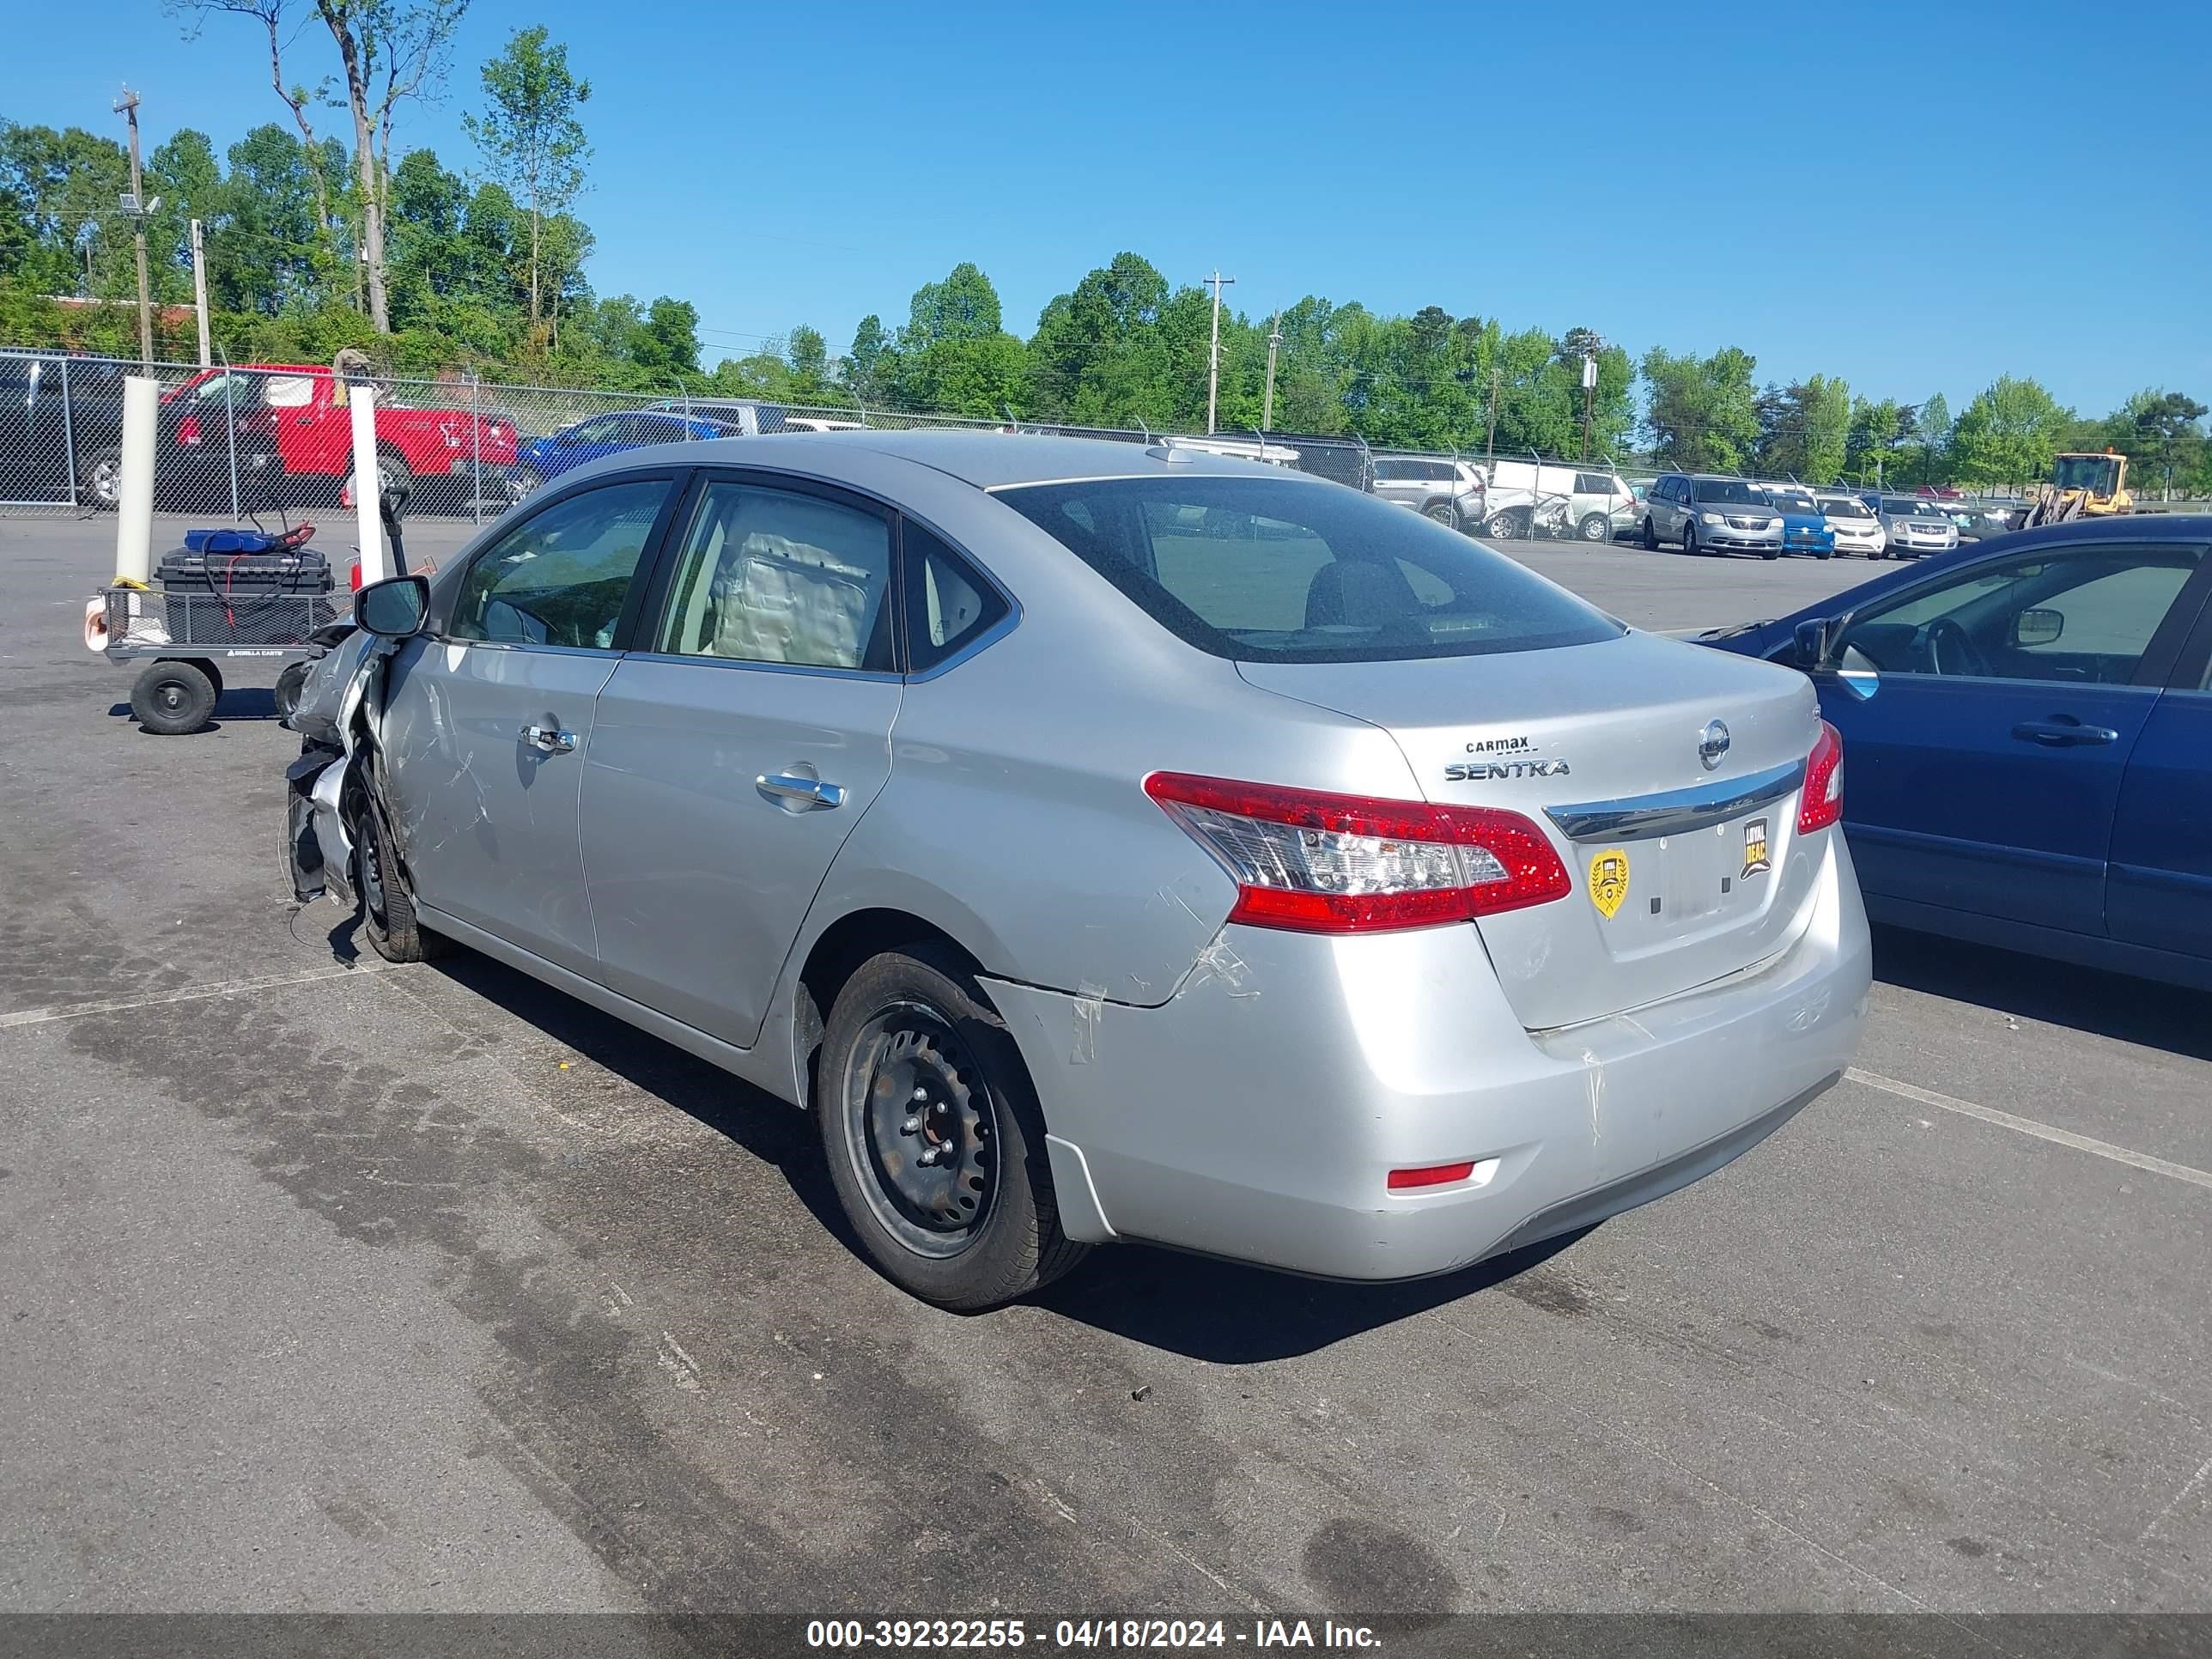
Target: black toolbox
275, 597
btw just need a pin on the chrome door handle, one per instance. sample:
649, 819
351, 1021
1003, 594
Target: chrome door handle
797, 793
547, 740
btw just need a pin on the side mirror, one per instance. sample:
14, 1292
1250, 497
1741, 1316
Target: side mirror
1809, 646
2031, 628
395, 609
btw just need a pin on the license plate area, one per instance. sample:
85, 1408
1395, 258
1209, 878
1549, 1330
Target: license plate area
1683, 885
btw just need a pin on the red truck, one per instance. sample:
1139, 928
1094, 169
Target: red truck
300, 409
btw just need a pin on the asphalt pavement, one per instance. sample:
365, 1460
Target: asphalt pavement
334, 1286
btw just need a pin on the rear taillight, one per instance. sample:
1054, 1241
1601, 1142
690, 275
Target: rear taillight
1822, 803
188, 429
1351, 864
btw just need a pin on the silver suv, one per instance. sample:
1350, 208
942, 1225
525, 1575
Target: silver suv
1106, 842
1704, 512
1450, 492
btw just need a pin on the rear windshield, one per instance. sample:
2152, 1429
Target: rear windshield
1729, 489
1280, 570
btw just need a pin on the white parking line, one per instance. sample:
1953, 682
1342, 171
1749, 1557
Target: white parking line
228, 988
2028, 1125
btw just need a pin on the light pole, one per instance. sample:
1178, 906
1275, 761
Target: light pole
1213, 353
1268, 402
135, 207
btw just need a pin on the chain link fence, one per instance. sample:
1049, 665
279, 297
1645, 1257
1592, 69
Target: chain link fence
235, 445
265, 444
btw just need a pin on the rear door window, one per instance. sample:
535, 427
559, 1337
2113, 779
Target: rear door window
770, 575
1268, 570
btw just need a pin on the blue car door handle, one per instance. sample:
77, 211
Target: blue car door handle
2062, 732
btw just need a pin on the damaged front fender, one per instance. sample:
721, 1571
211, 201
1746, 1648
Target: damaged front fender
340, 711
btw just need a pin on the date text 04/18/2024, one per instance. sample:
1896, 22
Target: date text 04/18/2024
1086, 1633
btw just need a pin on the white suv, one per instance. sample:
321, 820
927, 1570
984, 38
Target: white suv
1450, 492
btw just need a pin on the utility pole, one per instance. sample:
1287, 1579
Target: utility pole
1213, 355
127, 107
1492, 446
199, 288
1589, 393
1274, 344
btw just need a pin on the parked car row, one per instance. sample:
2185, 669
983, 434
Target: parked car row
1715, 512
1505, 500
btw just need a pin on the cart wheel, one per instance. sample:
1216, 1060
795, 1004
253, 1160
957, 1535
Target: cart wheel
171, 698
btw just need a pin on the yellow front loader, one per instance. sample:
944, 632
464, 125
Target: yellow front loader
2082, 486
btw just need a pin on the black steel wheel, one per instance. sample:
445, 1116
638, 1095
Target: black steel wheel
933, 1138
387, 904
171, 698
1650, 535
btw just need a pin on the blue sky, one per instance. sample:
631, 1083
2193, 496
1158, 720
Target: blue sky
1917, 197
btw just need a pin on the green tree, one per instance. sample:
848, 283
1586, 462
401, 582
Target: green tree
963, 306
1701, 412
1803, 430
2008, 433
665, 342
529, 135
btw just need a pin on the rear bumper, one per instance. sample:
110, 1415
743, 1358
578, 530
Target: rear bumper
1257, 1114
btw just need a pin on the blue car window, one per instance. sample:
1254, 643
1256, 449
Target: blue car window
2081, 615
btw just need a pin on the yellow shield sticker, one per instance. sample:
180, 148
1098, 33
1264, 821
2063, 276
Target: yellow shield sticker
1608, 881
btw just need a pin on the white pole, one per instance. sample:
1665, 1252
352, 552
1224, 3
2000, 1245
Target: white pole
362, 399
1213, 353
199, 290
134, 503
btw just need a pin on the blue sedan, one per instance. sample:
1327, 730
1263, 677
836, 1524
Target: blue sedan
2028, 736
539, 460
1804, 525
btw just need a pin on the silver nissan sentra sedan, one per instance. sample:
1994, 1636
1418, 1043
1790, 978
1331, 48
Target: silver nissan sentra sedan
1106, 842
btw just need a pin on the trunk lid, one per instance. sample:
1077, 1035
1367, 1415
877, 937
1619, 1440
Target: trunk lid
1599, 745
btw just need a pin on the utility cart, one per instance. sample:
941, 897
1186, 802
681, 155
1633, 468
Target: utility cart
225, 596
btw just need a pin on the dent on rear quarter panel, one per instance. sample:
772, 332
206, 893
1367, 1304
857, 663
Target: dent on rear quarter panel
1015, 815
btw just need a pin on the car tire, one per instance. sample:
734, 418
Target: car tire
286, 697
525, 481
1444, 513
1651, 537
1595, 527
1502, 526
1826, 553
393, 474
912, 1041
1771, 553
172, 698
99, 479
387, 904
1690, 539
